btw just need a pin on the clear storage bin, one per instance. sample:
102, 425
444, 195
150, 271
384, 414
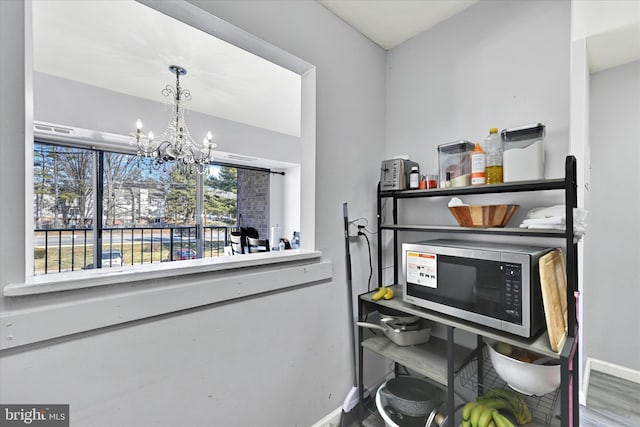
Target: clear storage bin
523, 157
454, 161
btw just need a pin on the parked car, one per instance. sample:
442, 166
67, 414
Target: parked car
112, 258
181, 254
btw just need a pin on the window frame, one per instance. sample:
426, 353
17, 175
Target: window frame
83, 279
20, 278
98, 182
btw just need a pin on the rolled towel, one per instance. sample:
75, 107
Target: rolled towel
554, 220
551, 211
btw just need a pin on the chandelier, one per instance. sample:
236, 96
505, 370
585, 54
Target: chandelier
176, 143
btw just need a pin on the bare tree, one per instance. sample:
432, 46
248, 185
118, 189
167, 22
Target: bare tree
62, 184
120, 172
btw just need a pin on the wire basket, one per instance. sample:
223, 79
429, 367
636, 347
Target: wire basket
543, 408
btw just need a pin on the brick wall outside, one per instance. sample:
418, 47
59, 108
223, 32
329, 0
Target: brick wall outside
253, 200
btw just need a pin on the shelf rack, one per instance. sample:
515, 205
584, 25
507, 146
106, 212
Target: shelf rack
567, 395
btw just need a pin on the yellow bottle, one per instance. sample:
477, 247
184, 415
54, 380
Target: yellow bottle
493, 174
493, 147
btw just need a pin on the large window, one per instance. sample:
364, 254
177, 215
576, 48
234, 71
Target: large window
98, 209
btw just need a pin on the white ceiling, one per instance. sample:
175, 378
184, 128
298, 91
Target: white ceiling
611, 27
391, 22
127, 47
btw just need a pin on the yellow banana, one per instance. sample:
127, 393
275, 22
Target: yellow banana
389, 294
497, 403
501, 421
512, 397
466, 411
514, 403
379, 293
486, 417
475, 414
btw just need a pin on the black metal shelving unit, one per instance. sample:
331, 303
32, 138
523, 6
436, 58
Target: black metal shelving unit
568, 356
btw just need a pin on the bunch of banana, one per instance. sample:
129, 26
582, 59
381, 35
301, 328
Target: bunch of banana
500, 398
476, 414
484, 411
385, 292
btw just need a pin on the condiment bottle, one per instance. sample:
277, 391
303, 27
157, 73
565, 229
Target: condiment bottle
493, 148
414, 178
478, 164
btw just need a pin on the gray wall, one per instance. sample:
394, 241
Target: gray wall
67, 102
280, 359
496, 64
612, 245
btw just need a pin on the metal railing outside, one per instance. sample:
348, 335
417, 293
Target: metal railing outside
69, 249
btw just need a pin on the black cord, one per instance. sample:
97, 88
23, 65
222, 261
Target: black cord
370, 263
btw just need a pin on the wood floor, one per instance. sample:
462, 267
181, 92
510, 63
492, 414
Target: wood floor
611, 402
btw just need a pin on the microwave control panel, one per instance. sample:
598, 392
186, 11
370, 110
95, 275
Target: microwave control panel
513, 292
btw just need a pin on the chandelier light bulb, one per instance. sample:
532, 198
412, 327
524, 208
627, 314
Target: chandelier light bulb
139, 124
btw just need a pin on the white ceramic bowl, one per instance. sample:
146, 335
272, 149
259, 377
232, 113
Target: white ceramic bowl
523, 377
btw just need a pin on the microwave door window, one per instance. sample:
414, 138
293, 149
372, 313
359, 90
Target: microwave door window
455, 284
470, 284
489, 298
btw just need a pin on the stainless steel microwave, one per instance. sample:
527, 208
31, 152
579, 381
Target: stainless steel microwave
494, 285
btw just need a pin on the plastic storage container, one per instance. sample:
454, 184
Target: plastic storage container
523, 157
454, 161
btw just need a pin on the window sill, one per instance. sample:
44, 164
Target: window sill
111, 276
147, 292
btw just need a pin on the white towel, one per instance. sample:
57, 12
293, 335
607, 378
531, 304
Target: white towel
455, 201
554, 218
551, 211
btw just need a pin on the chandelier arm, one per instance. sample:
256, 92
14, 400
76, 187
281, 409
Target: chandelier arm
176, 142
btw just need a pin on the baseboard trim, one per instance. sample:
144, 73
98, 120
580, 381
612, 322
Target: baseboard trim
609, 369
330, 416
